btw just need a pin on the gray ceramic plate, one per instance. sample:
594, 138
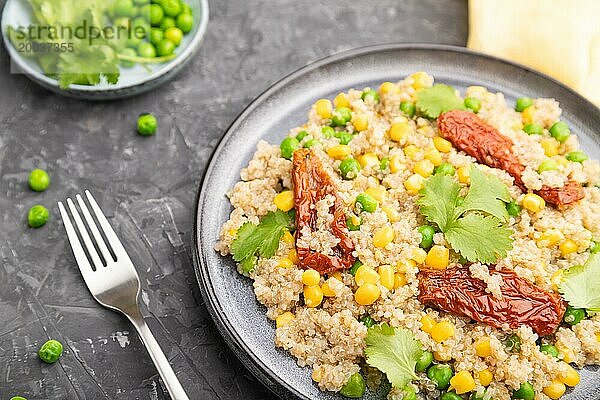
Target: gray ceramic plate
228, 295
132, 81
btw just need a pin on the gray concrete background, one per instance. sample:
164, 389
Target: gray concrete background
147, 187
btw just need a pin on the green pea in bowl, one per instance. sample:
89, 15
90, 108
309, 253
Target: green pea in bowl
102, 49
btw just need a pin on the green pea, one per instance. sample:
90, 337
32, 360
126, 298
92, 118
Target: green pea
144, 12
357, 264
327, 132
155, 14
185, 21
156, 35
39, 180
165, 47
133, 42
450, 396
523, 103
345, 137
547, 165
384, 163
146, 50
140, 27
166, 23
533, 129
175, 35
124, 8
301, 135
595, 248
50, 351
364, 202
427, 233
128, 52
424, 361
147, 124
513, 343
408, 108
473, 104
560, 131
18, 398
549, 349
370, 95
525, 392
310, 143
288, 146
353, 222
440, 374
444, 169
341, 116
408, 392
349, 168
355, 387
185, 8
577, 156
367, 321
573, 316
37, 216
513, 208
172, 8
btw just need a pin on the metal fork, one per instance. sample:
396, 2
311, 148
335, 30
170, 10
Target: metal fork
113, 280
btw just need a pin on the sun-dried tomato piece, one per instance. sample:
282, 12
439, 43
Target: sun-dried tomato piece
454, 290
311, 184
478, 139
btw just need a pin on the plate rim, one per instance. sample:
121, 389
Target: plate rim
271, 381
159, 74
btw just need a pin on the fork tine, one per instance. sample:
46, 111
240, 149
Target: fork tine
87, 241
110, 234
82, 260
95, 232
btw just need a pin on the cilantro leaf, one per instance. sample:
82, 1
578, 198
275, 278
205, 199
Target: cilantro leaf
486, 193
436, 100
393, 351
479, 238
262, 239
580, 286
438, 200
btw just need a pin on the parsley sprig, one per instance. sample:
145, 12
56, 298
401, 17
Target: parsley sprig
474, 225
438, 99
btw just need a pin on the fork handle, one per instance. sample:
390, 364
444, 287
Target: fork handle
160, 360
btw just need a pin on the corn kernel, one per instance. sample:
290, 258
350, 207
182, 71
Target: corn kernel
288, 237
562, 161
367, 294
533, 202
442, 144
567, 354
339, 151
441, 357
483, 348
441, 331
556, 389
527, 115
396, 164
550, 237
389, 87
311, 277
556, 279
324, 108
399, 280
366, 274
326, 289
414, 184
360, 122
338, 275
392, 214
383, 236
284, 200
341, 101
462, 382
293, 256
421, 80
412, 152
317, 374
399, 131
285, 263
434, 156
427, 323
368, 160
386, 276
313, 296
438, 257
284, 319
571, 378
377, 192
405, 265
424, 168
233, 232
464, 175
419, 255
485, 377
567, 247
550, 146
